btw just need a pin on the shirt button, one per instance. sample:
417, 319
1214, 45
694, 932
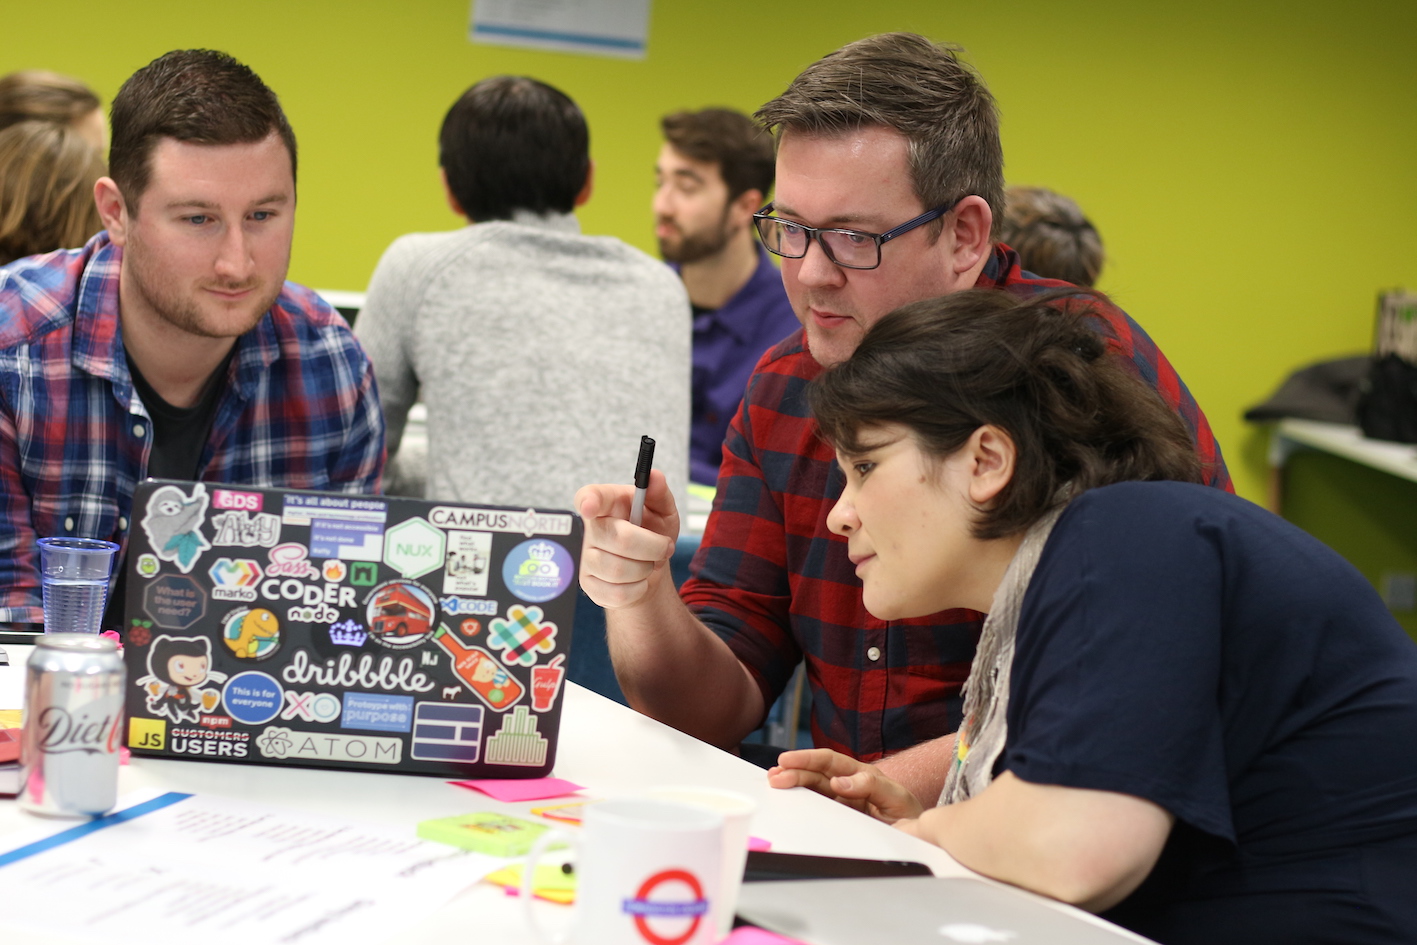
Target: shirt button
873, 654
69, 524
139, 430
122, 523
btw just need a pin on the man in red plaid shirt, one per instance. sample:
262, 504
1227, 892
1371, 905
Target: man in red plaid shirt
889, 183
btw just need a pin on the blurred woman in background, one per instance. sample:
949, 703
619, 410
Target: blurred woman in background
47, 176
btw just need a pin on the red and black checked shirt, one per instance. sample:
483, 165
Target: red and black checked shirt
776, 585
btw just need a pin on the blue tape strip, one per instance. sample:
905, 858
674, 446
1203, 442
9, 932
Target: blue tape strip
579, 39
98, 823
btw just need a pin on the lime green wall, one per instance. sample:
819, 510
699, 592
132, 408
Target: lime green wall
1250, 165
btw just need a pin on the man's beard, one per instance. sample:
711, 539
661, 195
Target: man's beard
696, 247
183, 312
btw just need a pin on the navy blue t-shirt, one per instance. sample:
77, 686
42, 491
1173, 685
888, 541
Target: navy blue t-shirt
1185, 646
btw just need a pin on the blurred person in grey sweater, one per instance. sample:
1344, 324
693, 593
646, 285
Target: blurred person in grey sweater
541, 354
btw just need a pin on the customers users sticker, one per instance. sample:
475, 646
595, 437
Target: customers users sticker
538, 570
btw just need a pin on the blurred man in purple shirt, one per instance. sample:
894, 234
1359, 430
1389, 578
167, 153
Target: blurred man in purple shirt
714, 170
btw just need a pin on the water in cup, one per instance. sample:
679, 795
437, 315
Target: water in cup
74, 578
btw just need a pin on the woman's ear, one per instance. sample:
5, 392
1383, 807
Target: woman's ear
992, 454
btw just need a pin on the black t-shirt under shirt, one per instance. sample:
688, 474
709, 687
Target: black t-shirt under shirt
1185, 646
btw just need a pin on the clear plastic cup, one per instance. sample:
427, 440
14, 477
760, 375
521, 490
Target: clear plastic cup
74, 576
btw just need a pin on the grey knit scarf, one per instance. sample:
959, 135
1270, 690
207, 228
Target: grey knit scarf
986, 693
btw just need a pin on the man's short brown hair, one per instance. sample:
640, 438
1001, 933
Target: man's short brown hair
195, 95
918, 88
740, 147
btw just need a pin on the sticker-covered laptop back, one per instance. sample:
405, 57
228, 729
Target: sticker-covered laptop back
361, 632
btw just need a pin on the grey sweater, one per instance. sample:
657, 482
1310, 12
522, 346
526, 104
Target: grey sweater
542, 356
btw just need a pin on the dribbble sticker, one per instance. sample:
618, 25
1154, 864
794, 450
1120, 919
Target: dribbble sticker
253, 698
538, 570
522, 635
252, 633
173, 523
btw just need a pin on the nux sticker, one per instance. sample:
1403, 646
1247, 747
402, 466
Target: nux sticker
522, 635
251, 633
173, 523
538, 570
400, 614
414, 547
517, 741
178, 667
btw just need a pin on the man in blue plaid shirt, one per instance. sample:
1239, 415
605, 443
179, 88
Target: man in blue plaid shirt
171, 345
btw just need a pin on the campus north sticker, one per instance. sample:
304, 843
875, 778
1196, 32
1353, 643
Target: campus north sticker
538, 570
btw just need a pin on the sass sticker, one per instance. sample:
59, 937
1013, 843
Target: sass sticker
413, 548
446, 731
522, 635
466, 564
517, 741
400, 614
538, 570
173, 523
178, 667
251, 633
479, 671
253, 697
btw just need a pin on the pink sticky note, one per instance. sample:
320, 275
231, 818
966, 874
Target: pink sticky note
758, 844
749, 935
530, 789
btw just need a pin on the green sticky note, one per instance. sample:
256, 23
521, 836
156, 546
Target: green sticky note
486, 832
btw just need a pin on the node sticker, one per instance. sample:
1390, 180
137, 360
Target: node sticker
173, 523
522, 635
444, 732
538, 570
466, 564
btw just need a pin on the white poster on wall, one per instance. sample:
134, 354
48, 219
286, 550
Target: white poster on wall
616, 28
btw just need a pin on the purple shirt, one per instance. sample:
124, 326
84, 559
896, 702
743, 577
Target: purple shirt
727, 343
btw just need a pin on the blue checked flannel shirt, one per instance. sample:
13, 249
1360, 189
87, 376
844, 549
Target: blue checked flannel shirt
299, 410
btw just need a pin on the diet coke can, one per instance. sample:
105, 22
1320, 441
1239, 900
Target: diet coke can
72, 726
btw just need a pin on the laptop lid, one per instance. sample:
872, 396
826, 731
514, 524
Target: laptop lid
919, 910
290, 627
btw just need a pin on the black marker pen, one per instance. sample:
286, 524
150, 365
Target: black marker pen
637, 507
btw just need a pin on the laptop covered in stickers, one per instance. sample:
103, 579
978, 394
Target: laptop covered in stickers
371, 633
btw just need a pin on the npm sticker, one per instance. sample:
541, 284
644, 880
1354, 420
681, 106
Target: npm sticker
377, 712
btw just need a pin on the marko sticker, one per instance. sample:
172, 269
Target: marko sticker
538, 571
252, 697
465, 566
234, 579
251, 633
446, 732
283, 743
377, 712
173, 523
517, 742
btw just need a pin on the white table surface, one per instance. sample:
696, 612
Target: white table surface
607, 748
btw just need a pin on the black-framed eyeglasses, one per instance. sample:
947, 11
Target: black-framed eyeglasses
850, 249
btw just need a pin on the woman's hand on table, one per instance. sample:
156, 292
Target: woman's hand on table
846, 780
